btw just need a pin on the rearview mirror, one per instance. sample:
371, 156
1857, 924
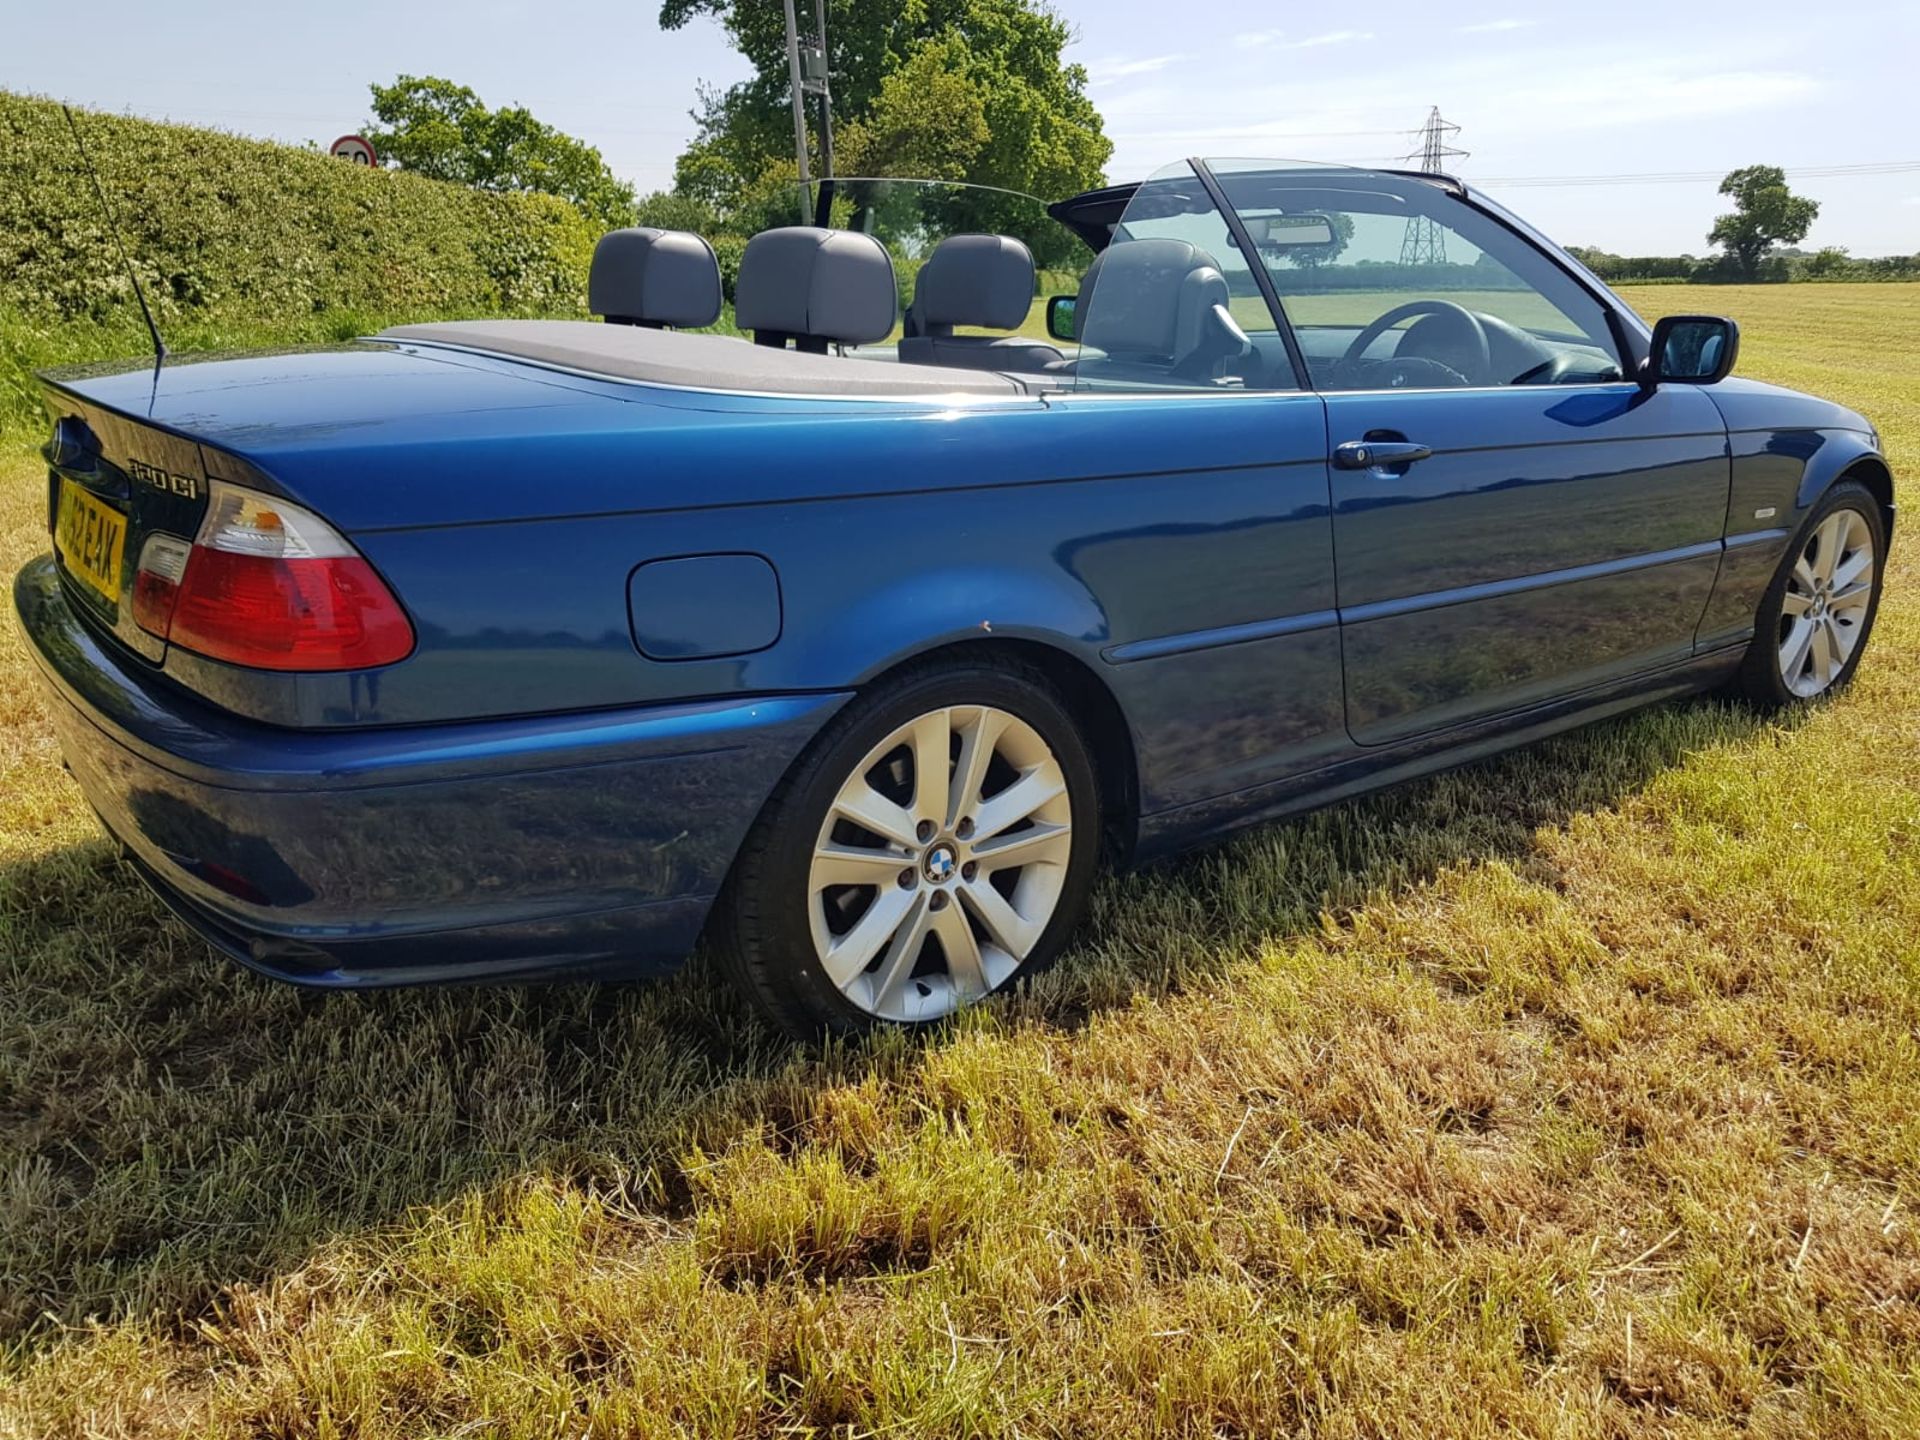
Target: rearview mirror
1692, 350
1290, 232
1060, 316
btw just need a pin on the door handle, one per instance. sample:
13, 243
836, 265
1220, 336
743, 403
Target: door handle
1378, 454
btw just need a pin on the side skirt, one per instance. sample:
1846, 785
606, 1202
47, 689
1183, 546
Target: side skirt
1167, 832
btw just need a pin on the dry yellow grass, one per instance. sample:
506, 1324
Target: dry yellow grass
1577, 1093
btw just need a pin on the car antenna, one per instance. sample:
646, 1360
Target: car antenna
113, 228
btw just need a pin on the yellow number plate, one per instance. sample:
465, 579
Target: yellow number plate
90, 536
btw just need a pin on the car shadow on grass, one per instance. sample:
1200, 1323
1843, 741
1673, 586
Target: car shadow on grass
172, 1125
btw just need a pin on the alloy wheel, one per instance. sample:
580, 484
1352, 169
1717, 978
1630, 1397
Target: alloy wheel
1824, 609
940, 863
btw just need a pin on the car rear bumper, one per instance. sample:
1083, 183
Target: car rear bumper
489, 850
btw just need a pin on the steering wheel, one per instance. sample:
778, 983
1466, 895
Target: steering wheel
1480, 353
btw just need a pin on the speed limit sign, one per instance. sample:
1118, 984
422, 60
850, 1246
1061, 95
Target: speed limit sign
355, 148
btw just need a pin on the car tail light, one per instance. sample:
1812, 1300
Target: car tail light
156, 583
269, 585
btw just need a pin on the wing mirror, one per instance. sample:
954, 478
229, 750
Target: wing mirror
1691, 350
1060, 316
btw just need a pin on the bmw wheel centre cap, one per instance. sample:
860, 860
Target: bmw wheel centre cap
940, 864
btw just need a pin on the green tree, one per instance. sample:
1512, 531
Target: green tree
1765, 214
938, 89
1828, 263
441, 130
928, 121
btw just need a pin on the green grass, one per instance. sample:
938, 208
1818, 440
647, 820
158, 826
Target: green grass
1575, 1093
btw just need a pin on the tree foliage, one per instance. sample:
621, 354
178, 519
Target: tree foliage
971, 90
443, 131
1765, 214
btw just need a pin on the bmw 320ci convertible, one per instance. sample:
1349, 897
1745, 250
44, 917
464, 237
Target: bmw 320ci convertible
514, 649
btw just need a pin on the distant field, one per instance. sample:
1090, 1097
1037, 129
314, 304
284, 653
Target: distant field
1576, 1093
1819, 320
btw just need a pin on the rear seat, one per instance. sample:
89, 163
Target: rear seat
654, 278
812, 287
981, 280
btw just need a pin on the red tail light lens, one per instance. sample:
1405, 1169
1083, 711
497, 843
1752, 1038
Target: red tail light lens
272, 586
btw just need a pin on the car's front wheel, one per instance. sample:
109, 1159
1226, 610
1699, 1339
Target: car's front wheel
1814, 621
933, 845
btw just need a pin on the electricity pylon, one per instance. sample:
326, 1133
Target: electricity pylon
1426, 242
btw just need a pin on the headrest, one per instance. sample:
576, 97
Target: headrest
982, 280
816, 284
1149, 297
654, 277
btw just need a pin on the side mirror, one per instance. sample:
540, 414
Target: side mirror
1060, 316
1691, 350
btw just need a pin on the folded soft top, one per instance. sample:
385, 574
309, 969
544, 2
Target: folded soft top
704, 362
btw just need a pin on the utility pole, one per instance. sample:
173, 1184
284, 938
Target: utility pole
807, 68
817, 82
799, 111
1426, 242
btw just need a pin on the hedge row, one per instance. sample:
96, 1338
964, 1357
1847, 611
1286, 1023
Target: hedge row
218, 224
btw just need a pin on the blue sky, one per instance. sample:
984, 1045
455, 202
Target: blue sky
1541, 92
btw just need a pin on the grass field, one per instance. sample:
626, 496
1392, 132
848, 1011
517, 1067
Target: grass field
1576, 1093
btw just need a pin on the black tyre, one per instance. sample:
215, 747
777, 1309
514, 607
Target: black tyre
935, 844
1813, 623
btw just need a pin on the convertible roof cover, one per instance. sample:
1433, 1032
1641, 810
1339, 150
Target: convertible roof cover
700, 362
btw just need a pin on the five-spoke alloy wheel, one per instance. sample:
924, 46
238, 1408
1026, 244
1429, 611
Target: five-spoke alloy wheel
933, 845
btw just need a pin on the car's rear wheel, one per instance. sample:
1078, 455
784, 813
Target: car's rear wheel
1814, 621
933, 846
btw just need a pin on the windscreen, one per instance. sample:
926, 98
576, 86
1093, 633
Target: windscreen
912, 217
1395, 281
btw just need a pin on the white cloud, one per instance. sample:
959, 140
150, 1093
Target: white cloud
1489, 27
1332, 37
1119, 67
1258, 39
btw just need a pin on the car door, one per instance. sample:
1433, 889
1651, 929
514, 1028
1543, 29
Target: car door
1213, 562
1548, 544
1514, 520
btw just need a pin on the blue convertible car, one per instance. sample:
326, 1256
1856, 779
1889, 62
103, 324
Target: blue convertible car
506, 649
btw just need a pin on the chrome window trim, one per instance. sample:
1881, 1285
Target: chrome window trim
938, 400
1172, 394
